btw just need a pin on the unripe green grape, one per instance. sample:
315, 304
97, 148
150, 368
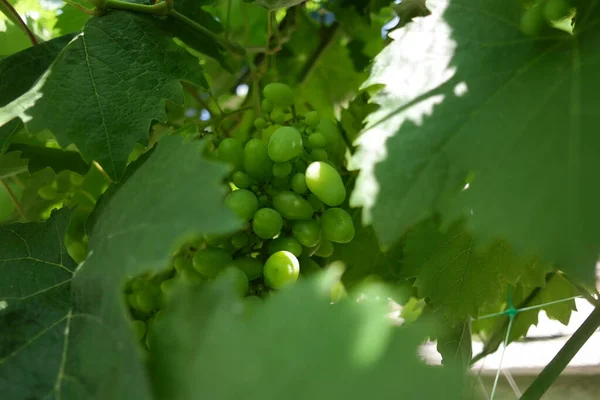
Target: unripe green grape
337, 292
267, 223
267, 106
281, 269
75, 178
250, 266
308, 266
268, 132
48, 192
319, 155
312, 118
325, 183
279, 94
241, 180
238, 277
132, 301
337, 225
298, 183
316, 140
139, 284
291, 206
210, 261
532, 21
277, 116
285, 244
231, 152
259, 123
315, 203
281, 170
145, 301
167, 286
285, 144
215, 240
263, 200
325, 248
191, 277
307, 232
556, 9
257, 163
243, 203
77, 251
139, 329
239, 240
310, 251
180, 262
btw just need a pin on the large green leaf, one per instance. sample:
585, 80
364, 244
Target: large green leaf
78, 344
108, 85
205, 349
467, 91
59, 160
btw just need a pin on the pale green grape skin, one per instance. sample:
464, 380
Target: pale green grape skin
243, 203
319, 155
259, 123
241, 180
279, 94
239, 240
167, 286
215, 240
307, 232
231, 151
281, 170
281, 269
250, 266
267, 223
238, 277
312, 118
290, 244
337, 225
191, 277
556, 9
181, 263
75, 178
325, 248
285, 144
77, 251
268, 132
257, 163
532, 21
47, 192
298, 183
139, 329
316, 204
277, 116
308, 266
267, 106
292, 206
132, 301
210, 261
145, 301
316, 140
139, 284
325, 183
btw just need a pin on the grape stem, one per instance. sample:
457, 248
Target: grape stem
12, 14
165, 8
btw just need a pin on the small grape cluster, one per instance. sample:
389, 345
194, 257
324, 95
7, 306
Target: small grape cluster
541, 13
288, 194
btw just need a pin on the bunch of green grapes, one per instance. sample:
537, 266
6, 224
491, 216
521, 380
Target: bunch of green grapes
289, 195
541, 13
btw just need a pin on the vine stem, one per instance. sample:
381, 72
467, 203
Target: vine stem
551, 372
13, 198
14, 16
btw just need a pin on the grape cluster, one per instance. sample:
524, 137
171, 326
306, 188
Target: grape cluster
541, 13
288, 194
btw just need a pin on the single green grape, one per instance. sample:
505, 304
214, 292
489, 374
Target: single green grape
250, 266
316, 204
238, 277
337, 292
268, 132
48, 192
312, 118
132, 301
257, 163
556, 9
337, 225
316, 140
308, 266
167, 286
319, 155
239, 240
325, 183
298, 183
140, 284
277, 116
191, 277
181, 262
308, 232
210, 261
77, 251
145, 300
532, 21
281, 269
279, 94
281, 170
139, 329
75, 178
241, 180
285, 144
267, 223
267, 106
290, 244
292, 206
231, 152
243, 203
259, 123
325, 248
215, 240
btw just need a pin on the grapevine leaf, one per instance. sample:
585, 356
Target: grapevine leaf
97, 114
354, 115
455, 345
408, 10
447, 117
59, 160
204, 348
70, 20
276, 4
90, 351
457, 275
